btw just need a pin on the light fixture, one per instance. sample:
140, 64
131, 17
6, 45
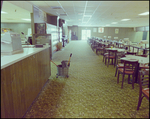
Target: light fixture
114, 23
107, 25
145, 13
27, 19
87, 15
80, 13
125, 19
2, 12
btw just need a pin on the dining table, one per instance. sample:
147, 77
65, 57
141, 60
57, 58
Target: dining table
118, 49
141, 61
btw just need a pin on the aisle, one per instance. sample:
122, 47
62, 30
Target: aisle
90, 91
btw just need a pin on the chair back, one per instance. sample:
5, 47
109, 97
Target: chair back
130, 66
131, 53
112, 52
143, 80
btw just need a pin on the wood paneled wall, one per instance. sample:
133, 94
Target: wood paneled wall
21, 83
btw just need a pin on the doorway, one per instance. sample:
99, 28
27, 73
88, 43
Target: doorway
86, 34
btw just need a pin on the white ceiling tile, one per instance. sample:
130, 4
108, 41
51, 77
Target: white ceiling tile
107, 12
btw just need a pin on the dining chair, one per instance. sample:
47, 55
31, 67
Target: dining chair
129, 68
119, 63
105, 52
99, 48
143, 81
111, 55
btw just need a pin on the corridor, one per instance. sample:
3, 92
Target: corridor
91, 91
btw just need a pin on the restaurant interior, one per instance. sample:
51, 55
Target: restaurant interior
74, 59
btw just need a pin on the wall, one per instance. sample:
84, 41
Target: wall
65, 29
110, 31
17, 27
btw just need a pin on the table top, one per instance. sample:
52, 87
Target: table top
140, 59
118, 49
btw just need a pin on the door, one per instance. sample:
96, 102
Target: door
86, 34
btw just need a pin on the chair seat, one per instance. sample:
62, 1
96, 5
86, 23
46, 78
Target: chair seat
120, 65
110, 56
105, 53
146, 91
98, 48
126, 72
144, 67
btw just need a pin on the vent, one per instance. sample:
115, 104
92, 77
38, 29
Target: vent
10, 19
56, 7
141, 16
63, 15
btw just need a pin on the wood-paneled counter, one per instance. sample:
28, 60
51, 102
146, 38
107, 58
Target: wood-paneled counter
22, 79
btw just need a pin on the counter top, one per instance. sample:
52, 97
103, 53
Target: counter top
7, 60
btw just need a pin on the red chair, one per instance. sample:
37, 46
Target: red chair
129, 68
119, 63
143, 81
111, 55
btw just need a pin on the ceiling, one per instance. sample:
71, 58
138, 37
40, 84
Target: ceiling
98, 13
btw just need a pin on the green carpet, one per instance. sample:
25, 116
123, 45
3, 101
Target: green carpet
91, 91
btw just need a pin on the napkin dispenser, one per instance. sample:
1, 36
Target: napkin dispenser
11, 43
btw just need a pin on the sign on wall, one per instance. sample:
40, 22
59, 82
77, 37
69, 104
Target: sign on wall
100, 30
116, 31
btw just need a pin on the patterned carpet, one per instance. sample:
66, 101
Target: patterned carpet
91, 91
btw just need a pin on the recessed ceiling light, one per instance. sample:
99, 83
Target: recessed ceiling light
27, 19
2, 12
145, 13
107, 25
125, 19
87, 15
79, 19
114, 23
80, 13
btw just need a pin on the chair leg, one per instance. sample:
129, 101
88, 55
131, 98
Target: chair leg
132, 81
116, 71
118, 78
105, 60
108, 62
140, 100
122, 80
114, 62
128, 79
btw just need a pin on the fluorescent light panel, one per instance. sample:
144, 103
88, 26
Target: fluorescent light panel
27, 19
125, 19
87, 15
114, 23
2, 12
145, 13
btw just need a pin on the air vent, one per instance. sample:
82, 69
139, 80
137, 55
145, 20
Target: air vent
63, 15
56, 7
141, 16
10, 19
